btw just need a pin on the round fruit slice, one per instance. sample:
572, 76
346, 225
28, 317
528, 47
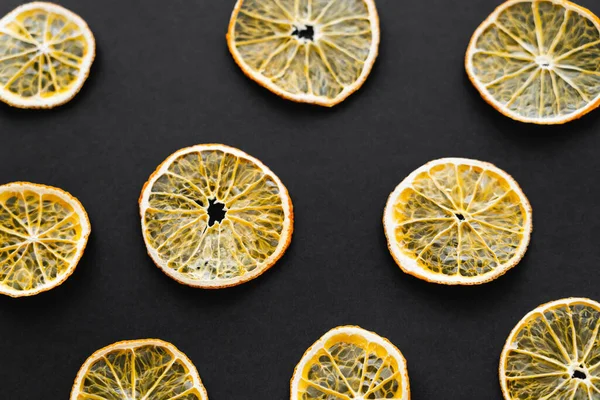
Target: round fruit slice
554, 353
350, 363
457, 222
43, 233
213, 216
138, 369
46, 53
310, 51
537, 61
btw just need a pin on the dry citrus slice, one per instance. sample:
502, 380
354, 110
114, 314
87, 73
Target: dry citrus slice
213, 216
43, 233
458, 222
148, 369
311, 51
46, 53
554, 353
537, 61
350, 363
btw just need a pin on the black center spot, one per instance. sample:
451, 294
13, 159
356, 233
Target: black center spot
545, 65
460, 217
307, 32
578, 374
216, 212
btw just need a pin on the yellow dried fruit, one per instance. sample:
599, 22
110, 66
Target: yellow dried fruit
139, 369
46, 53
214, 217
350, 363
43, 233
311, 51
457, 221
537, 60
554, 353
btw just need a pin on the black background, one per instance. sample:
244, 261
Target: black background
163, 79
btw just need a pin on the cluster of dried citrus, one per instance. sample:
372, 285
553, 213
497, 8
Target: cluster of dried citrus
347, 363
553, 353
533, 60
213, 216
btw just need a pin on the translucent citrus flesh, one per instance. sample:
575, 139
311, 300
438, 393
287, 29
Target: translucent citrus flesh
41, 54
178, 225
351, 367
39, 237
549, 347
271, 37
136, 373
459, 220
539, 59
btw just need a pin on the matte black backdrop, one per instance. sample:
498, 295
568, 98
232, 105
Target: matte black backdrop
164, 79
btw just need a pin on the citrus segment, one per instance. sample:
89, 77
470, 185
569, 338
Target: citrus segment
457, 221
139, 369
554, 353
537, 60
46, 53
213, 216
43, 233
314, 51
350, 363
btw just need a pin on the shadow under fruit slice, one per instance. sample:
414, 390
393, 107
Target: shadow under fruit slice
350, 363
43, 233
537, 61
46, 53
213, 216
457, 221
138, 369
554, 353
311, 51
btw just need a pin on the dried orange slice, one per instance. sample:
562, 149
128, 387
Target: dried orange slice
311, 51
554, 353
457, 221
46, 53
43, 233
537, 60
213, 216
350, 363
148, 369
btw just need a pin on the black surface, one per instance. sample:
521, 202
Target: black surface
163, 79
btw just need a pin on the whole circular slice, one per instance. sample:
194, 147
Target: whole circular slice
43, 233
537, 60
554, 353
311, 51
350, 363
213, 216
138, 369
457, 221
46, 52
